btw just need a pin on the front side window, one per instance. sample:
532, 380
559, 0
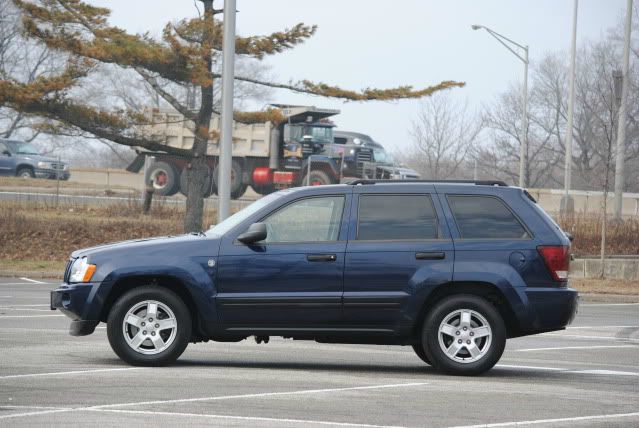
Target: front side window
485, 217
306, 220
396, 217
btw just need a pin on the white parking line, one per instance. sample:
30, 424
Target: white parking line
569, 370
550, 421
609, 304
597, 327
191, 400
30, 316
33, 281
74, 372
261, 395
574, 347
243, 418
579, 336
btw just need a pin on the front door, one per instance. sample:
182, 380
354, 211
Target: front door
399, 246
293, 280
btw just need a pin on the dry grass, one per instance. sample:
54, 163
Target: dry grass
51, 184
605, 286
38, 232
621, 237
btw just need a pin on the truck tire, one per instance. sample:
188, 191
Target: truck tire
318, 178
184, 183
237, 187
264, 189
165, 178
25, 172
463, 335
149, 326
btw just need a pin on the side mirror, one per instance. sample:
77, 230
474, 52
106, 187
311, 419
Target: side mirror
7, 153
255, 233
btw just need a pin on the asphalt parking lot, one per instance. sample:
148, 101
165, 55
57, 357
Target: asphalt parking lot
587, 375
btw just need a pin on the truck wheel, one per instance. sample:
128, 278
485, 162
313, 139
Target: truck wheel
419, 350
237, 187
464, 335
149, 326
318, 178
165, 178
25, 173
264, 189
184, 183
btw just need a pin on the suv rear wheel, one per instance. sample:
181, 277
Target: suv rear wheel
419, 350
149, 326
464, 335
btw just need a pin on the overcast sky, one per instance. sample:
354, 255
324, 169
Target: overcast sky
368, 43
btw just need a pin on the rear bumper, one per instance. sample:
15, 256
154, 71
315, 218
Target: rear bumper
550, 309
73, 301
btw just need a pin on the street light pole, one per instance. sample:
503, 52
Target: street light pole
567, 203
523, 151
226, 140
621, 118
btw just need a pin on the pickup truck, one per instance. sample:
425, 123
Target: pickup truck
21, 159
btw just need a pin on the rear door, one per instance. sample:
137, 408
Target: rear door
399, 247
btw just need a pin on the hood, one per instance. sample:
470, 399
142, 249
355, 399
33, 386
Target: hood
40, 158
187, 245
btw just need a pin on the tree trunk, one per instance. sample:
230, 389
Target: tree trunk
197, 174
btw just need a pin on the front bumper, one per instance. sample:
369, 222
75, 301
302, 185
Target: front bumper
551, 308
51, 173
73, 301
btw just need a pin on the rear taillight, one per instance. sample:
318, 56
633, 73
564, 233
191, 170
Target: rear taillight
557, 259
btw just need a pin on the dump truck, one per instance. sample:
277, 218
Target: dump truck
265, 156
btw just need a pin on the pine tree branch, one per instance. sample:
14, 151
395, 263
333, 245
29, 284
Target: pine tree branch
324, 90
167, 96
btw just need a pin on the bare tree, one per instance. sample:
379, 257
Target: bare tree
443, 133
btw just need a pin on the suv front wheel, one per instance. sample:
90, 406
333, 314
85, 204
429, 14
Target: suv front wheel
464, 335
149, 326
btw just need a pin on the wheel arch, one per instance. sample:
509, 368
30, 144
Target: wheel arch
127, 283
24, 166
486, 290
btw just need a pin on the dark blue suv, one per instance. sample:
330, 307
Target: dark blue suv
452, 269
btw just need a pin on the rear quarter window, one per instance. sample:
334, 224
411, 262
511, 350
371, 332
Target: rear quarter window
485, 217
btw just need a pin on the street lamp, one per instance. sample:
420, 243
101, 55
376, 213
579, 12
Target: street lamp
509, 44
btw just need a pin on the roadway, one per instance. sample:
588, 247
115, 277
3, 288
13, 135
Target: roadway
587, 375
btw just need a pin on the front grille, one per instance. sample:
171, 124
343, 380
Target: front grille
364, 164
307, 149
59, 166
364, 155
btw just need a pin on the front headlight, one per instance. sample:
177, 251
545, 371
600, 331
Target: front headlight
45, 165
81, 271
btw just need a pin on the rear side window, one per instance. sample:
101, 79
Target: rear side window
392, 217
485, 217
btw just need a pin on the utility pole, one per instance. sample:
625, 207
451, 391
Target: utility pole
567, 203
226, 140
511, 45
621, 119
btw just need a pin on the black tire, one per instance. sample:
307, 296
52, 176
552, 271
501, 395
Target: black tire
489, 348
318, 178
25, 172
179, 338
184, 183
264, 189
165, 178
237, 187
419, 350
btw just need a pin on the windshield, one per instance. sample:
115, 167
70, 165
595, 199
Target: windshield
383, 157
222, 228
322, 134
25, 149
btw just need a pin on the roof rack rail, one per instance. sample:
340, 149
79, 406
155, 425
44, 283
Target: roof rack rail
476, 182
